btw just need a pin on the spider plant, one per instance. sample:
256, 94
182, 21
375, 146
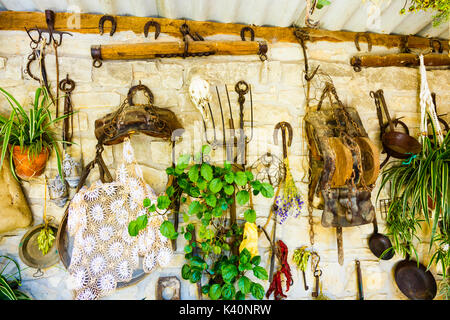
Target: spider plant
9, 284
31, 131
420, 192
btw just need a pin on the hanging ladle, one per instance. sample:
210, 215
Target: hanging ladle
379, 243
396, 144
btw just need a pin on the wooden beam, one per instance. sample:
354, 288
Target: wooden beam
398, 60
88, 23
149, 50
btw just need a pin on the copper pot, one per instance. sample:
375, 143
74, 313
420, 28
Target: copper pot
29, 167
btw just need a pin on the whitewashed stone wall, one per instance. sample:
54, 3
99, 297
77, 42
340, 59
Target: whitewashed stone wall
278, 95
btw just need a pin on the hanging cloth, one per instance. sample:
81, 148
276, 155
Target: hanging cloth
104, 253
427, 101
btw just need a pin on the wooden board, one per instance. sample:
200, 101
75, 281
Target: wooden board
88, 23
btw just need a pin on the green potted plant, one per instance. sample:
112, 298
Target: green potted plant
10, 282
219, 251
419, 192
29, 138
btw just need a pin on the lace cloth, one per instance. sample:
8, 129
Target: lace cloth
103, 252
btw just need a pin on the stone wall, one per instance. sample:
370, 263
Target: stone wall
278, 95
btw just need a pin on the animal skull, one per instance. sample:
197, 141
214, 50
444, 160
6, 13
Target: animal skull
200, 95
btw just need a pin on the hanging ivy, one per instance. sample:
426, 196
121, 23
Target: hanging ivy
442, 7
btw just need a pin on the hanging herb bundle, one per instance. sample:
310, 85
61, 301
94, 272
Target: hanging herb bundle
215, 252
46, 236
301, 257
290, 202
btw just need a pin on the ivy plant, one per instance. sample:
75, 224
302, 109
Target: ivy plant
208, 191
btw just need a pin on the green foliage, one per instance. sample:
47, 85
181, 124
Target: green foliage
10, 282
211, 190
33, 131
420, 192
321, 3
442, 7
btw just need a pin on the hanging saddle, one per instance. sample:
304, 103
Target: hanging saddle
344, 164
114, 127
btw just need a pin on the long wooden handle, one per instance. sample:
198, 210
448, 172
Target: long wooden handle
400, 60
340, 245
136, 51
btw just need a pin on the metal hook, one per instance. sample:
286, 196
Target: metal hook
154, 24
365, 35
432, 41
102, 22
252, 33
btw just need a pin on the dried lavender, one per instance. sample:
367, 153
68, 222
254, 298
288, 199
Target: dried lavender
290, 202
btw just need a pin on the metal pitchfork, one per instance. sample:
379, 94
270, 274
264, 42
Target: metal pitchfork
284, 126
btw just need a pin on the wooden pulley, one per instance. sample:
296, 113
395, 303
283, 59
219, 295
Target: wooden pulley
343, 162
370, 157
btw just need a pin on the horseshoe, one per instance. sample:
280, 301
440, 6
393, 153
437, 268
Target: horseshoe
252, 33
154, 24
102, 22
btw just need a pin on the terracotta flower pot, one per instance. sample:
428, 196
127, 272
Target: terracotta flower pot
27, 168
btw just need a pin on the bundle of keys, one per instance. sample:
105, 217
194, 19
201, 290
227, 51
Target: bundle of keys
317, 272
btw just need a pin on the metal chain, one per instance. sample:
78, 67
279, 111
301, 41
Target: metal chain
311, 224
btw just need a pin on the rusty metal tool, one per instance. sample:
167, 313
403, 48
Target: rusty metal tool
359, 278
67, 86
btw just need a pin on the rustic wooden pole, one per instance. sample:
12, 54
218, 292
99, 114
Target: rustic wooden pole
398, 60
88, 23
149, 50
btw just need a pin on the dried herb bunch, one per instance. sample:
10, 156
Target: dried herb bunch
290, 200
213, 243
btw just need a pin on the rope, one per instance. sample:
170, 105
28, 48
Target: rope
427, 101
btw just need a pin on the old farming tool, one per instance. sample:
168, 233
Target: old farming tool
72, 168
396, 144
38, 38
196, 47
359, 279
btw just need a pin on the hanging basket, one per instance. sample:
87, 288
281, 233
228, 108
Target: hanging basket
29, 167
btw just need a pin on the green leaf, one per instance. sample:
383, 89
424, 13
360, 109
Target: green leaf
188, 248
133, 229
195, 207
266, 190
194, 192
215, 185
163, 202
152, 208
229, 177
193, 173
215, 291
229, 272
205, 289
242, 197
206, 149
250, 215
245, 266
255, 260
240, 178
202, 184
249, 175
170, 191
185, 217
229, 189
217, 250
211, 200
206, 171
244, 285
217, 212
256, 185
240, 296
227, 166
244, 256
147, 202
168, 230
195, 276
228, 291
188, 236
185, 271
142, 221
260, 273
257, 290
